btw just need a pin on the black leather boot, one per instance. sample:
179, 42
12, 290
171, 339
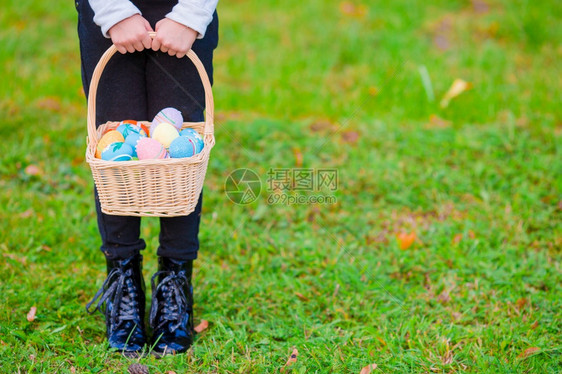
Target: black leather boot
171, 313
121, 298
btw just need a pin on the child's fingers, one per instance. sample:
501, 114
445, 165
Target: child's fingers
164, 49
121, 49
171, 52
130, 47
156, 44
147, 42
138, 46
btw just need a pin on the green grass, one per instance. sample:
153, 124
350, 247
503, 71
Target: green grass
480, 186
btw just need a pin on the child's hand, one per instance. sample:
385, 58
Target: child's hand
131, 34
173, 37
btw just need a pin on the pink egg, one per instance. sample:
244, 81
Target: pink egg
149, 149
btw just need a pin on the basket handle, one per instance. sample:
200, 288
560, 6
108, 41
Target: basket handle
209, 103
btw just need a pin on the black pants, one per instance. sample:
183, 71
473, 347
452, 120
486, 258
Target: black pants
136, 86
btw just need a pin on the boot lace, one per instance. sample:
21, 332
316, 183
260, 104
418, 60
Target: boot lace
173, 304
121, 294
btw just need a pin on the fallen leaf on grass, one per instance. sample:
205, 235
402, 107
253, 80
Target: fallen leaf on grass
350, 137
349, 9
28, 213
444, 297
322, 125
368, 369
51, 104
21, 260
457, 238
480, 6
301, 296
298, 157
458, 87
528, 352
201, 326
292, 359
31, 314
405, 240
436, 122
32, 170
521, 303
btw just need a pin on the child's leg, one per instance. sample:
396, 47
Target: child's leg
121, 95
175, 82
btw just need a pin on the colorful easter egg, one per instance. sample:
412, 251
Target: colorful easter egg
182, 146
148, 148
117, 151
144, 128
126, 128
111, 136
168, 115
164, 133
195, 136
132, 140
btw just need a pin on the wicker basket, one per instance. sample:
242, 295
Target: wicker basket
157, 188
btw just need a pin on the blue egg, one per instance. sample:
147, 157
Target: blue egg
194, 135
127, 129
117, 151
132, 140
182, 146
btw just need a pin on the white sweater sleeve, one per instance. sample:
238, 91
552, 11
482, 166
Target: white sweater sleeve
196, 14
109, 12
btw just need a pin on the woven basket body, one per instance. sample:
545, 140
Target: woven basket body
159, 188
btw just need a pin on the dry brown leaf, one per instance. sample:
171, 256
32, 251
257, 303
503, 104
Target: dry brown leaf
51, 104
368, 369
28, 213
292, 359
521, 303
527, 352
406, 240
457, 238
535, 325
350, 137
202, 326
349, 9
480, 6
31, 314
298, 156
32, 170
21, 260
301, 296
458, 87
444, 297
436, 122
322, 125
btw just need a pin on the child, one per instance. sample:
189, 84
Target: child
149, 75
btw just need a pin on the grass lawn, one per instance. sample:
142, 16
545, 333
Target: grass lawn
472, 189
